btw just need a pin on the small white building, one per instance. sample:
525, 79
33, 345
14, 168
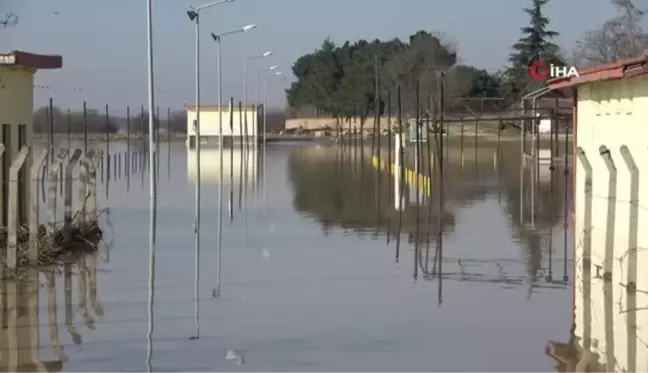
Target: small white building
17, 70
610, 215
238, 125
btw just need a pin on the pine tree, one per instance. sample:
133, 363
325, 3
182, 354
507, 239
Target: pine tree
535, 43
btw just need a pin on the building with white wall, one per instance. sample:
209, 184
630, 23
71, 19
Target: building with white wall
238, 124
610, 201
17, 70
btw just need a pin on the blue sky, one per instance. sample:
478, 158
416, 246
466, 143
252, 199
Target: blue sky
103, 43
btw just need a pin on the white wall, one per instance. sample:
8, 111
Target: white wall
210, 120
612, 114
544, 126
16, 109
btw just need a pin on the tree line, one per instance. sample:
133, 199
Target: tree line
356, 78
97, 121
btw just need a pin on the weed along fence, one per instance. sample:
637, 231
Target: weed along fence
27, 242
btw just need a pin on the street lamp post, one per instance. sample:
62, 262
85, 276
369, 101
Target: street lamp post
256, 122
265, 131
245, 85
245, 78
256, 88
217, 38
153, 181
194, 15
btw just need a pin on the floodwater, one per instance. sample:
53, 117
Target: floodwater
310, 276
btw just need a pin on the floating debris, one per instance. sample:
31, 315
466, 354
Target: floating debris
235, 356
63, 245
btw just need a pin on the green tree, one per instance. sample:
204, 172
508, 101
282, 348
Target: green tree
535, 43
340, 81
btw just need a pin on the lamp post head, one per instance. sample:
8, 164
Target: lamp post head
249, 27
267, 54
216, 37
192, 14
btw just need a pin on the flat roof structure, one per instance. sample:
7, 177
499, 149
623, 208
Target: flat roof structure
31, 60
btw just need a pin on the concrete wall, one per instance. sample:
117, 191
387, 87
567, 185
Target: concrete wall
209, 122
235, 170
16, 110
610, 222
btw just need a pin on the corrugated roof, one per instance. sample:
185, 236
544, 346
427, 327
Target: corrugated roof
618, 70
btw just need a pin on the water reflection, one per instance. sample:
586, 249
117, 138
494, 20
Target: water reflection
608, 332
20, 337
342, 192
346, 192
239, 166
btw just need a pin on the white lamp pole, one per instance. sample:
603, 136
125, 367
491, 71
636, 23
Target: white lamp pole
194, 15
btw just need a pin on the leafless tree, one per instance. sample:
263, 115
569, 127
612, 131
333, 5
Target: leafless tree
10, 19
619, 38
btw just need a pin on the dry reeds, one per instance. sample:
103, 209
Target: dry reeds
66, 243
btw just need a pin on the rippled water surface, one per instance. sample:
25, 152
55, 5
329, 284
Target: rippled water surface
310, 280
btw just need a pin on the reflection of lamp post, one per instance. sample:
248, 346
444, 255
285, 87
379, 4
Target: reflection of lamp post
217, 39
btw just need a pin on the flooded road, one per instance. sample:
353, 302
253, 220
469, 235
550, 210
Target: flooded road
310, 276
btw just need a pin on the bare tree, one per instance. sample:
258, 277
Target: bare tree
10, 19
619, 38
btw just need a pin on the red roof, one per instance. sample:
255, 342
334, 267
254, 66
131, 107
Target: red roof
36, 61
618, 70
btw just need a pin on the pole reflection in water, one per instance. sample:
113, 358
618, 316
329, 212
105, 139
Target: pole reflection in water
241, 141
389, 159
69, 309
441, 187
399, 175
417, 157
231, 174
20, 317
211, 174
53, 317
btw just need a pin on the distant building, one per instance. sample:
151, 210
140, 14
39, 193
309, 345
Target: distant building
238, 125
610, 198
